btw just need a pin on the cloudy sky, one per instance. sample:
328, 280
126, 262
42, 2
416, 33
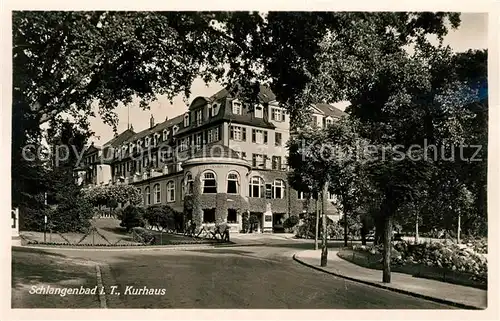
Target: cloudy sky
472, 34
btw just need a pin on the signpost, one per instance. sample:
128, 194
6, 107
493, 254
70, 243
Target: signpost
45, 229
16, 240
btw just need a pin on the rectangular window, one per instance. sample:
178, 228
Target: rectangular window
232, 216
186, 120
259, 111
258, 160
277, 139
300, 195
199, 138
213, 135
236, 108
238, 133
216, 134
259, 136
199, 117
170, 191
276, 162
269, 191
209, 215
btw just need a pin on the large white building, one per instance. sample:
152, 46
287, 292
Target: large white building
236, 152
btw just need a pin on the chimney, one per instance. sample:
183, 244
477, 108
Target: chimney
166, 118
131, 127
151, 122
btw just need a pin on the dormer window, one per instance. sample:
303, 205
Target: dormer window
259, 111
139, 144
237, 107
165, 134
175, 129
215, 109
131, 147
329, 121
146, 144
199, 117
186, 120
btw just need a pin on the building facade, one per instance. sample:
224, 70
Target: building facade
235, 153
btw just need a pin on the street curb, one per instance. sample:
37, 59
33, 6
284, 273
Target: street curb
138, 248
378, 285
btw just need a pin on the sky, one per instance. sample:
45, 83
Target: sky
472, 34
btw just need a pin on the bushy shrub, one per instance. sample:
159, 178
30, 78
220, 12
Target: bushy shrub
142, 235
132, 216
253, 222
164, 217
245, 222
335, 231
291, 221
449, 255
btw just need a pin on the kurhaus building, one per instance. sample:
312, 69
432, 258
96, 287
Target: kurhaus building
232, 156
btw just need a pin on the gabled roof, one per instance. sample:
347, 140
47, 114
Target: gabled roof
157, 128
91, 149
329, 110
120, 138
265, 94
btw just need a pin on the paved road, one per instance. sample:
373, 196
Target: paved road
254, 277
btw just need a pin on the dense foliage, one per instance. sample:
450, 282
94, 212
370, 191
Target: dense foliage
164, 217
132, 216
113, 194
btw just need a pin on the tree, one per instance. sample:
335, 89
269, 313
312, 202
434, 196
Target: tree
112, 194
132, 216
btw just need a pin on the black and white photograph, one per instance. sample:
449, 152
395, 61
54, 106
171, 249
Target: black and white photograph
244, 160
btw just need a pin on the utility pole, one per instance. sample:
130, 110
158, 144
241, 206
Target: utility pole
324, 245
317, 223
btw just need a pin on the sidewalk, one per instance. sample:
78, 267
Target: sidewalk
458, 295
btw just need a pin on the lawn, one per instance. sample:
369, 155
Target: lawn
109, 232
38, 268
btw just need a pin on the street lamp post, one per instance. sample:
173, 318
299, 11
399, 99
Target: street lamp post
324, 245
45, 221
317, 224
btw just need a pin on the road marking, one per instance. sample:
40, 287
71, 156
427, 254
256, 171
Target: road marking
102, 296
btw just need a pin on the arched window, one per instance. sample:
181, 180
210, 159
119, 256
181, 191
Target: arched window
278, 189
209, 183
233, 183
157, 193
189, 183
170, 191
148, 195
256, 188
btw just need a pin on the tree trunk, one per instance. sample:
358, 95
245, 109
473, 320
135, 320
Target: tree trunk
324, 245
458, 229
317, 226
345, 228
386, 275
416, 230
363, 233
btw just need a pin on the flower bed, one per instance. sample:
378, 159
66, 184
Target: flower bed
446, 261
